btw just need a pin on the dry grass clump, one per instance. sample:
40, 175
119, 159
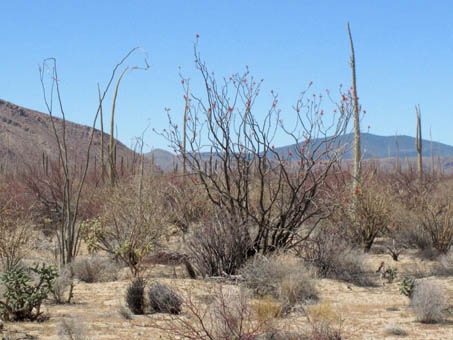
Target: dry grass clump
325, 322
94, 269
267, 308
428, 302
71, 329
284, 278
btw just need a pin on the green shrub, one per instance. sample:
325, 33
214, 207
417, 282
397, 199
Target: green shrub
23, 296
135, 296
407, 286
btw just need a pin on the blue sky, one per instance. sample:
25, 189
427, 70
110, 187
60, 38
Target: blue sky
404, 52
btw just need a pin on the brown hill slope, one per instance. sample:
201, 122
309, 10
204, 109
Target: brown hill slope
26, 134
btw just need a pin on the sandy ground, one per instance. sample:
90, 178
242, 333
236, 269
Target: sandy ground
366, 312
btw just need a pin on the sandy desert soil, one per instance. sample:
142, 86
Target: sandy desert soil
367, 312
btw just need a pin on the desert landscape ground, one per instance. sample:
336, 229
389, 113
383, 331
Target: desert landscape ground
250, 218
366, 313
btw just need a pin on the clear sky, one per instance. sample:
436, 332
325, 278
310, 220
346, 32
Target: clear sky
404, 52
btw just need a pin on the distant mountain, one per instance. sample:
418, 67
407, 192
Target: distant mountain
376, 147
373, 147
25, 135
165, 160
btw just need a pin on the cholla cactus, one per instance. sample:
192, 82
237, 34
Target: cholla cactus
23, 299
407, 286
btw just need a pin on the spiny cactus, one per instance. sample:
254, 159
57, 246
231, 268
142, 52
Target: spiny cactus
23, 297
407, 286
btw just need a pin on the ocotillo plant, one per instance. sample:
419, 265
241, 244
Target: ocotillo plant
418, 143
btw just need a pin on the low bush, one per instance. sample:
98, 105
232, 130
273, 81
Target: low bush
63, 287
436, 220
71, 329
132, 223
219, 246
16, 229
229, 315
135, 296
444, 265
94, 269
163, 300
428, 302
332, 257
281, 277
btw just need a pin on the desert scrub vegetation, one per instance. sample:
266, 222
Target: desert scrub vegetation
229, 314
428, 302
16, 222
218, 245
94, 269
271, 195
142, 298
162, 299
135, 296
333, 257
26, 288
436, 220
284, 278
131, 225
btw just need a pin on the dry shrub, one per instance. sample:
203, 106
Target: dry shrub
282, 277
94, 269
63, 286
162, 299
16, 227
186, 203
332, 257
364, 214
219, 246
428, 302
325, 322
423, 211
228, 315
436, 219
444, 265
132, 223
71, 329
